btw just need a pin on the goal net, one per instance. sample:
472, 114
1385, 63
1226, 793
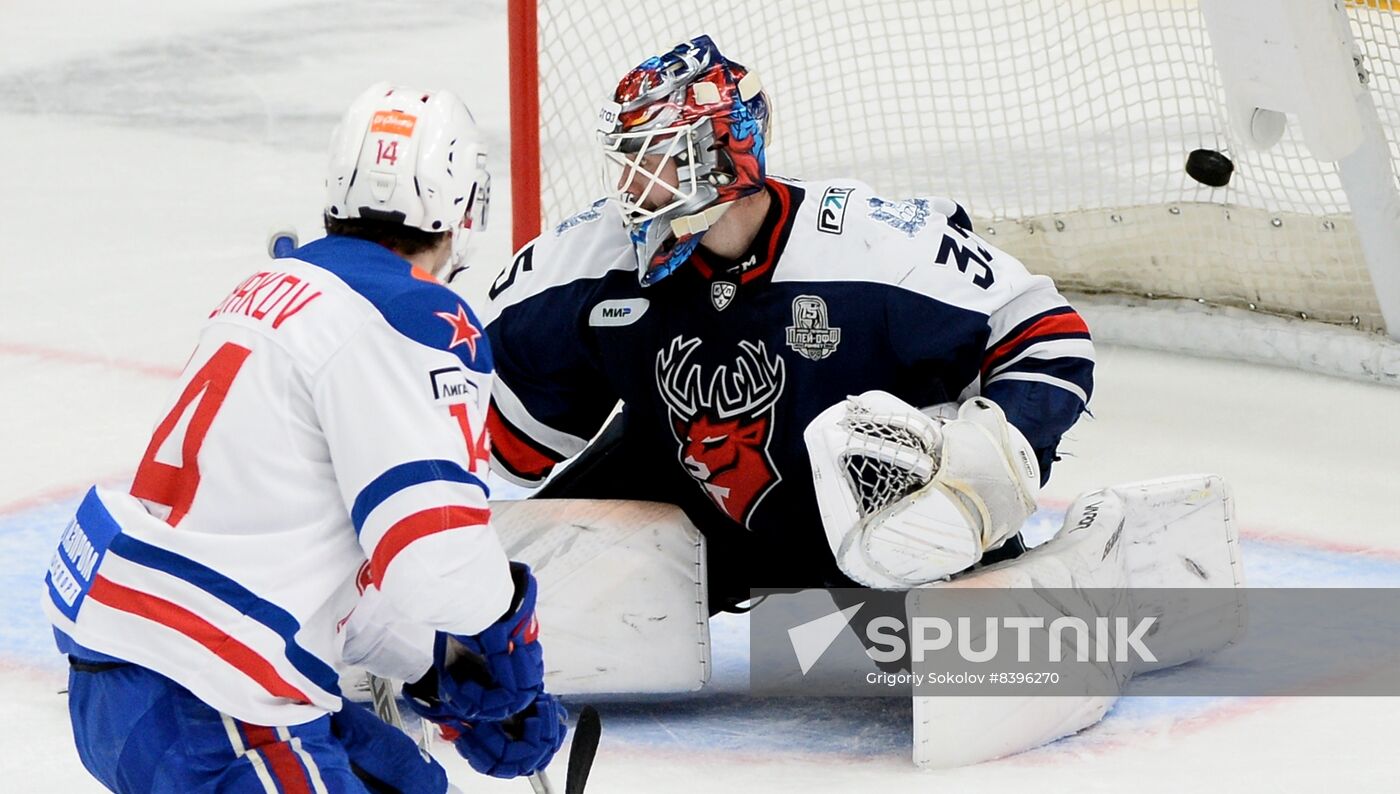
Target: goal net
1063, 125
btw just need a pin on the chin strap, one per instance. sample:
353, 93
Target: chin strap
700, 221
685, 232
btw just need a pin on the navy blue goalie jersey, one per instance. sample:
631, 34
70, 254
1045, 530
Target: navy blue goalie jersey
722, 365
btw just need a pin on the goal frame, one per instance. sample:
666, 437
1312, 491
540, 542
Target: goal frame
524, 81
1194, 327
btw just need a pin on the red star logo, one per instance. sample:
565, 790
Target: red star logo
463, 332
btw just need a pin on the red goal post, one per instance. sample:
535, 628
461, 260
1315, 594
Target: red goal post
524, 65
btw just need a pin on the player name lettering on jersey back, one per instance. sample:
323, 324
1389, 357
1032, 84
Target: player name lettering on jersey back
268, 295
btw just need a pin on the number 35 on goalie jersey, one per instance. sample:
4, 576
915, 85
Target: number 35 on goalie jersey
329, 430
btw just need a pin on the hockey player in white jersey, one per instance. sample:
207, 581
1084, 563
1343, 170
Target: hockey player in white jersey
315, 494
839, 388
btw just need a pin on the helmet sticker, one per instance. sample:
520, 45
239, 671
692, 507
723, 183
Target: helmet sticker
393, 122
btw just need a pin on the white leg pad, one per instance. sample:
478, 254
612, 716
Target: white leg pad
1181, 534
962, 730
1151, 540
622, 601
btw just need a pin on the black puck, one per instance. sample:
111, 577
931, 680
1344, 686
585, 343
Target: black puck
1209, 167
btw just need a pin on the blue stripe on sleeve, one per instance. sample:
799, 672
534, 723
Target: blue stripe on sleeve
405, 475
1073, 369
237, 596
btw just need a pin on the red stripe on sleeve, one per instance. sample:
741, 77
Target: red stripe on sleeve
517, 453
176, 617
1068, 323
281, 760
419, 525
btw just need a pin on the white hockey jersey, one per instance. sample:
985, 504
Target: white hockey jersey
327, 435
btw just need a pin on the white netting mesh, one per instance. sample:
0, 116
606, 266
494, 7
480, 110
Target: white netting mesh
887, 456
877, 483
1064, 125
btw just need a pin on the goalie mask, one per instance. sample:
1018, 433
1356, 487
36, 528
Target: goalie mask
411, 157
683, 138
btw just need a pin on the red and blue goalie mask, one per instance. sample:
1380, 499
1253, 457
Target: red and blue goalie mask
683, 138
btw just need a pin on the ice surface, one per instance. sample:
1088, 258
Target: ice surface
151, 147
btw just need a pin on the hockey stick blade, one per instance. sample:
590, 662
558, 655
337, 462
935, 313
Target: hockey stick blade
587, 731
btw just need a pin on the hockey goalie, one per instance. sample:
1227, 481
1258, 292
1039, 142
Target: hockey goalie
820, 387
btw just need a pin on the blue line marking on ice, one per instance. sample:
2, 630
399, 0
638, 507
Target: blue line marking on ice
722, 717
27, 542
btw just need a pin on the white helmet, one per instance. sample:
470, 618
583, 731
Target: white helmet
410, 156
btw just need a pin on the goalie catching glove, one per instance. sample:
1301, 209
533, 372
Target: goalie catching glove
907, 499
486, 691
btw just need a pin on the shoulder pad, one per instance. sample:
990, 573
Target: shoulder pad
924, 245
412, 302
584, 246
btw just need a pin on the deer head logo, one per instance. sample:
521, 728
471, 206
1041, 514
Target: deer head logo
723, 424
